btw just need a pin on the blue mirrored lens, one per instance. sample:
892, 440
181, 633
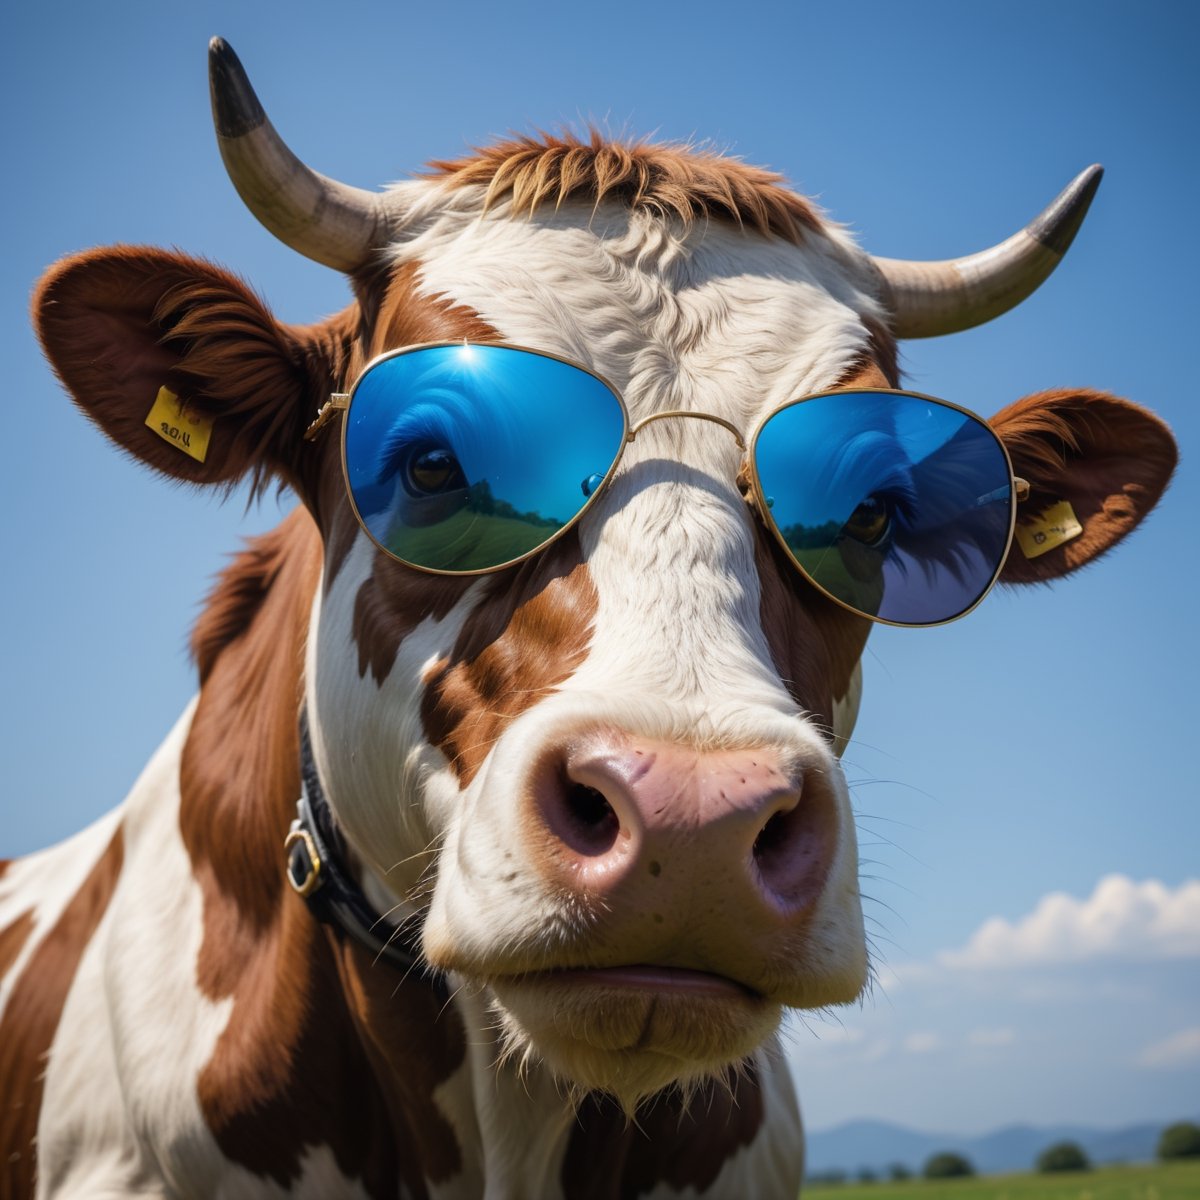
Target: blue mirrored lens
898, 506
463, 458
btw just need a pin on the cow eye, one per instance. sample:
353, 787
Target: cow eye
432, 469
871, 521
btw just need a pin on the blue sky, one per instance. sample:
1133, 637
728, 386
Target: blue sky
1042, 746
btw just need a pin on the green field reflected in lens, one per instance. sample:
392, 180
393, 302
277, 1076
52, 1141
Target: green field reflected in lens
899, 506
463, 458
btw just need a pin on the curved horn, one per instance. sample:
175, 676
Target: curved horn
337, 225
931, 298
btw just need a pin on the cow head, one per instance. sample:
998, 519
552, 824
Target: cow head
607, 776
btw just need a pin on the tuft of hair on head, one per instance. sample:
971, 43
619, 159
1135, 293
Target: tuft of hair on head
668, 180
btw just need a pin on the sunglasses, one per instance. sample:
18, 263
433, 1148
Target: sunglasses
465, 458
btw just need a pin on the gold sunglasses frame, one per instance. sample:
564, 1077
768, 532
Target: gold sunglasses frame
342, 401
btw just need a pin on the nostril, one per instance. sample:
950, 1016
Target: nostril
793, 849
588, 806
594, 824
771, 839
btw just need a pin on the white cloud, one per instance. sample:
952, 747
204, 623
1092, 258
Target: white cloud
991, 1038
922, 1043
887, 979
838, 1043
1179, 1050
840, 1035
1121, 919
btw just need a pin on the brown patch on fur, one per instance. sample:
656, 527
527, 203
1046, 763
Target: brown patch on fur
12, 938
301, 1064
1111, 459
884, 356
392, 603
407, 318
32, 1015
242, 590
528, 632
665, 180
294, 1053
433, 670
815, 644
341, 531
866, 374
611, 1158
240, 765
415, 1042
239, 780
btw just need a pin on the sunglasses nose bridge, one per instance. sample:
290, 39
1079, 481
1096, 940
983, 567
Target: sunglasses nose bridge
682, 412
745, 486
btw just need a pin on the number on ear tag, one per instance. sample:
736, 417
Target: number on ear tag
185, 430
1051, 527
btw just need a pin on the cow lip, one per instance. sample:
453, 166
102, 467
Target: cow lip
648, 977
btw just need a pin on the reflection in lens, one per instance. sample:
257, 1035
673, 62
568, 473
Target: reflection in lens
898, 506
462, 458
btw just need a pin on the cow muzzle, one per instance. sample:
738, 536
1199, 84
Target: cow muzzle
656, 832
656, 905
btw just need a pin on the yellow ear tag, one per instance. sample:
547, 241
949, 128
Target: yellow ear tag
1051, 527
188, 431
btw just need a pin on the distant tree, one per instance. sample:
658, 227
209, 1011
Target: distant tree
1062, 1156
826, 1178
1181, 1140
948, 1165
898, 1172
867, 1175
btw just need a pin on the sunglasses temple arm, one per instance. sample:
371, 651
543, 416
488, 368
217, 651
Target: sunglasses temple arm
337, 402
1020, 489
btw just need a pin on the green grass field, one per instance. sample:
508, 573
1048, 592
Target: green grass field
467, 540
1174, 1181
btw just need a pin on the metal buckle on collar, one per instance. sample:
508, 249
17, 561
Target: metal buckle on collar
303, 861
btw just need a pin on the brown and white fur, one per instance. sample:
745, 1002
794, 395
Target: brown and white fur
173, 1022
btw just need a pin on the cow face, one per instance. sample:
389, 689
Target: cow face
607, 775
617, 794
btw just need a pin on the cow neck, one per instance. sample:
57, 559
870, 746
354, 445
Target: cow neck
315, 866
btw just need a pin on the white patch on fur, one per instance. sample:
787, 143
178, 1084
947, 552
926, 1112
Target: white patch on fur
519, 1156
136, 1032
368, 737
43, 884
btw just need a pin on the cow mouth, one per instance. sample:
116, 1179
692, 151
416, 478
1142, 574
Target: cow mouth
632, 1029
682, 982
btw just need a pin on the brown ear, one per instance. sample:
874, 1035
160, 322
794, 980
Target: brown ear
1108, 458
120, 323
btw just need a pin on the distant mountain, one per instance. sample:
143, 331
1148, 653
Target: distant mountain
878, 1144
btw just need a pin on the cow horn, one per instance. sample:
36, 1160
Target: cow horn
328, 221
931, 298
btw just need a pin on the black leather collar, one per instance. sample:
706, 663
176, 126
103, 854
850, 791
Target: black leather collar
315, 852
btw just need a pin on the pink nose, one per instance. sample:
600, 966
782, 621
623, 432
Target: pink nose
618, 810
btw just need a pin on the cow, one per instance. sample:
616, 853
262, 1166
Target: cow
489, 869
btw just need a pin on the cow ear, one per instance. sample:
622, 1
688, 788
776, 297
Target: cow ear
177, 361
1108, 459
